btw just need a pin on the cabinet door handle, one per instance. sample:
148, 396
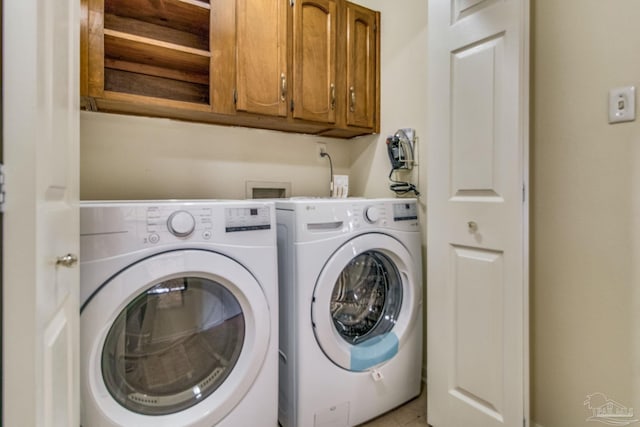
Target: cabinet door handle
283, 87
333, 96
352, 102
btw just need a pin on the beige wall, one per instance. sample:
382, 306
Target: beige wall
125, 157
585, 209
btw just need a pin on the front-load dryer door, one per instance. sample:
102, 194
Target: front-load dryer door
175, 339
366, 301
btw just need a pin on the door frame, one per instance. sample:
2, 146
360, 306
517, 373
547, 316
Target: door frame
1, 219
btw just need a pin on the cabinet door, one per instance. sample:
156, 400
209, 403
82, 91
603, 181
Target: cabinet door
314, 60
361, 65
262, 56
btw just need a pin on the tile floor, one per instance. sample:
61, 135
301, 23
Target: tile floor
411, 414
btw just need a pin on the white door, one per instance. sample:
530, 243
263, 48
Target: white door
41, 154
477, 213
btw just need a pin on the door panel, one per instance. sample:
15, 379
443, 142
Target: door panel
361, 63
59, 367
41, 151
475, 117
314, 60
464, 8
262, 56
479, 335
477, 284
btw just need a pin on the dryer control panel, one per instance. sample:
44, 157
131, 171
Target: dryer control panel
329, 217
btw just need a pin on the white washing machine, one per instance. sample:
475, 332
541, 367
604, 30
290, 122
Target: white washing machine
178, 314
351, 309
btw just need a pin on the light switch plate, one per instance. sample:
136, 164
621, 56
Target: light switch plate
622, 104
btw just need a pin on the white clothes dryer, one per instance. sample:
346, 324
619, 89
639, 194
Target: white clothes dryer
178, 314
351, 309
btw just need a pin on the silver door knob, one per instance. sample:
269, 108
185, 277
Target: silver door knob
473, 226
68, 260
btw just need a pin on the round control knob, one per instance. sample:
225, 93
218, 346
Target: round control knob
181, 223
372, 214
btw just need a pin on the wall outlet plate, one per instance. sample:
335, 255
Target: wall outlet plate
622, 104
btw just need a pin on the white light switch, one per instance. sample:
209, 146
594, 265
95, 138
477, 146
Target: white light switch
622, 104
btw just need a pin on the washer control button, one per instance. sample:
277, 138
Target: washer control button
181, 223
372, 214
153, 238
206, 235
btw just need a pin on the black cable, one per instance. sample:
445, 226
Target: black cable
325, 154
402, 187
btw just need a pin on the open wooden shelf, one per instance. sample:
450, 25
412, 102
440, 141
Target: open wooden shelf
187, 16
155, 87
195, 40
145, 66
148, 51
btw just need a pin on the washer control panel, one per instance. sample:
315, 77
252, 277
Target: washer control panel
397, 215
202, 223
111, 228
194, 222
405, 211
247, 218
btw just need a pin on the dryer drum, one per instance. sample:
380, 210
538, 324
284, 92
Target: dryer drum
366, 298
173, 345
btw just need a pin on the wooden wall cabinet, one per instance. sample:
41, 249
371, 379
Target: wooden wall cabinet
314, 60
307, 66
358, 93
262, 73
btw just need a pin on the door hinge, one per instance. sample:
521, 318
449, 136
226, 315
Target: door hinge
292, 3
292, 105
235, 97
2, 191
524, 193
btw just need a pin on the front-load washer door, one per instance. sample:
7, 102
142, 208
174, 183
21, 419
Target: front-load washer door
365, 302
176, 338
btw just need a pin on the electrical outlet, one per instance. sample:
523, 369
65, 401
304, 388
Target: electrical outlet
322, 149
